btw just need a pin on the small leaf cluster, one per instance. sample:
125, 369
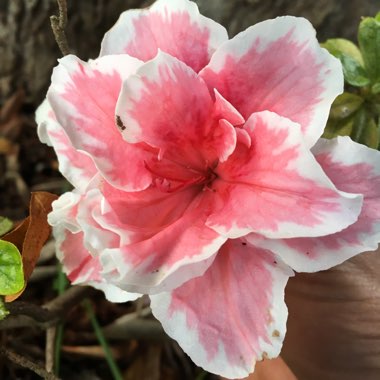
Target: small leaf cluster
356, 112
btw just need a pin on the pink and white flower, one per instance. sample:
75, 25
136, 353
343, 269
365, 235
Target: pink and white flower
200, 177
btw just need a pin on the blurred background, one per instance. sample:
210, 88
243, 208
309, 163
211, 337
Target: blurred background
28, 51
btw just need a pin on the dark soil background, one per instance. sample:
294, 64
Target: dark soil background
28, 53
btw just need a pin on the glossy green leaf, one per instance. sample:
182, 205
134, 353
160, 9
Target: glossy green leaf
352, 61
354, 73
365, 130
11, 270
345, 105
369, 43
5, 225
338, 46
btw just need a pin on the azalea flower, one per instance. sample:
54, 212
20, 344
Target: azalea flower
200, 177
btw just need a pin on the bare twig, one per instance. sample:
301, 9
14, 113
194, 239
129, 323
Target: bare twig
58, 25
134, 326
38, 313
49, 348
27, 363
127, 318
18, 321
144, 329
91, 351
42, 273
70, 298
25, 314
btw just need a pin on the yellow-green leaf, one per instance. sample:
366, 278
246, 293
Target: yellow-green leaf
338, 127
376, 89
11, 270
5, 225
370, 136
345, 105
338, 46
365, 130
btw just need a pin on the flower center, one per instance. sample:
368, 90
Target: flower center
173, 178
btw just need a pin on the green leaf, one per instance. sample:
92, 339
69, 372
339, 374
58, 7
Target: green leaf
3, 310
338, 46
345, 105
338, 127
11, 270
369, 43
354, 73
376, 89
365, 130
5, 225
352, 61
370, 136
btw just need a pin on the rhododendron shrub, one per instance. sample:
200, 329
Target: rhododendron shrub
200, 177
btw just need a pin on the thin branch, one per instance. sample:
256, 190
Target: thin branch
62, 304
141, 329
26, 314
43, 272
38, 313
58, 25
27, 363
49, 348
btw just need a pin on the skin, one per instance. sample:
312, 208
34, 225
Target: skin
333, 325
274, 369
334, 321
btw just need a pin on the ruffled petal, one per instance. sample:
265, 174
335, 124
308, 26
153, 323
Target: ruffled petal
64, 212
185, 115
173, 26
84, 269
83, 97
276, 188
278, 65
76, 166
233, 315
163, 239
353, 168
81, 266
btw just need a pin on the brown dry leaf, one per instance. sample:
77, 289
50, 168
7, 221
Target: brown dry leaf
17, 235
30, 236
